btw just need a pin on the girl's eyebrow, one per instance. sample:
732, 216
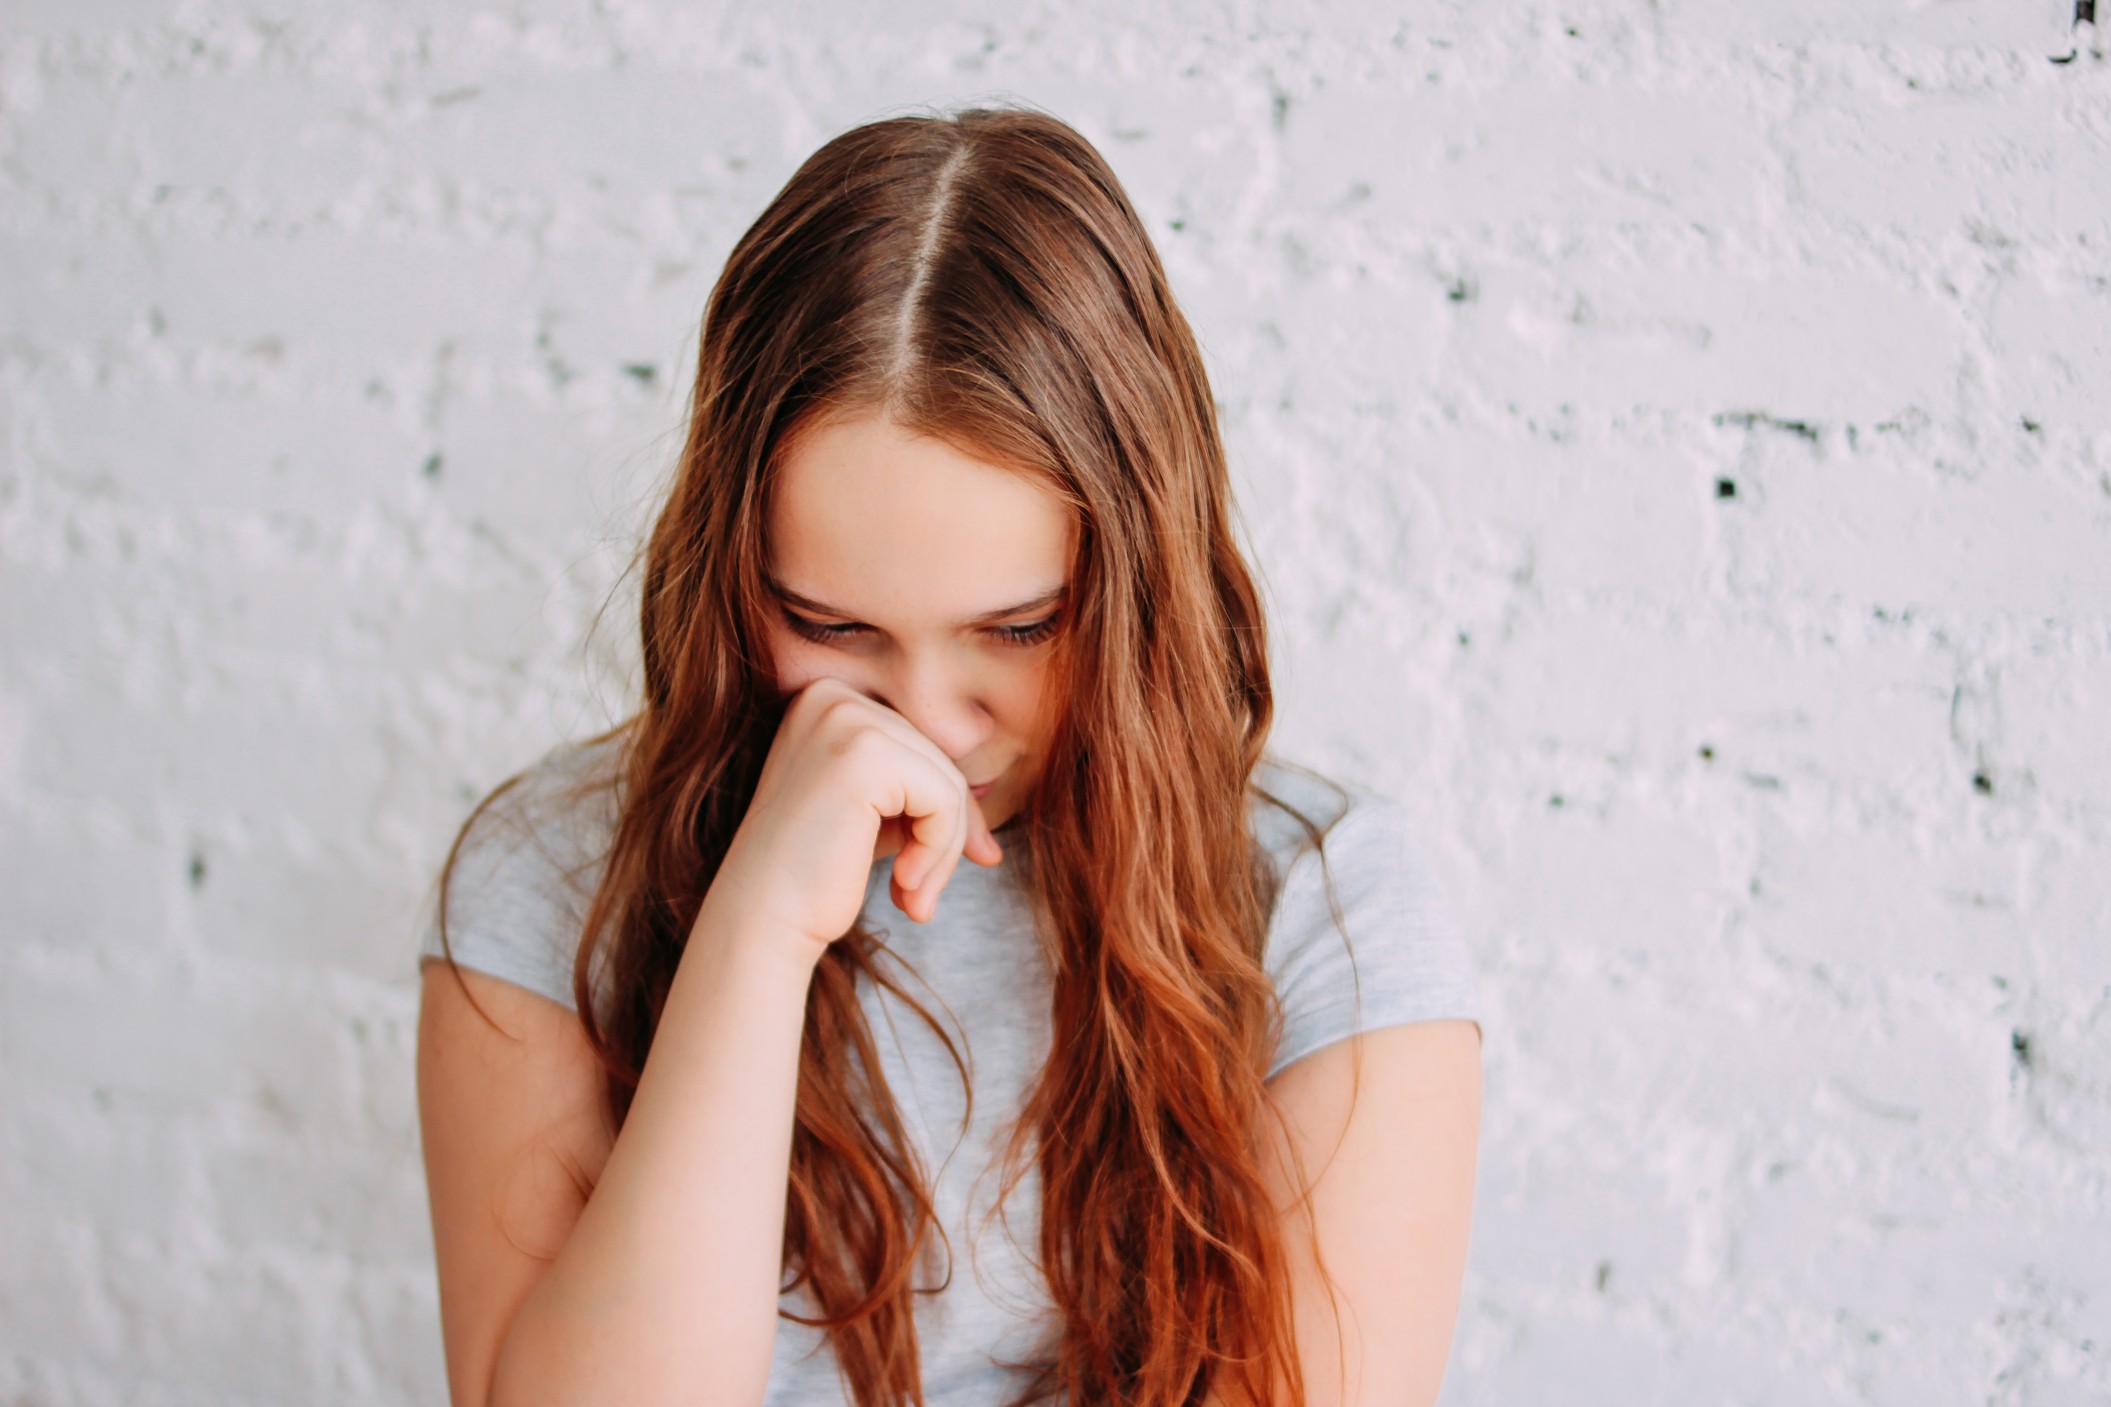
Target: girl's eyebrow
1047, 599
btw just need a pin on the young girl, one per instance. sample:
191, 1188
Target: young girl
740, 1088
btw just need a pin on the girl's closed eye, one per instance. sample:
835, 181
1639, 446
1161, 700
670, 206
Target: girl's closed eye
823, 634
814, 630
1032, 634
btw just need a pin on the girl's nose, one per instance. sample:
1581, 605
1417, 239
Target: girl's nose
941, 704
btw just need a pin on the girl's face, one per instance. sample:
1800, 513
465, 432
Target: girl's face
930, 580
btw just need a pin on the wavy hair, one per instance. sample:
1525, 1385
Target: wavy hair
983, 278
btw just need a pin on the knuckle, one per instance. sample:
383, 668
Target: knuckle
841, 715
859, 742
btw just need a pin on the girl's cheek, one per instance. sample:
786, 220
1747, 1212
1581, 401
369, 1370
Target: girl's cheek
1030, 707
796, 665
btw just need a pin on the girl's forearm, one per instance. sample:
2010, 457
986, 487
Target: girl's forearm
666, 1291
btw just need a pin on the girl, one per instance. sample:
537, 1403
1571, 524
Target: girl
1170, 1095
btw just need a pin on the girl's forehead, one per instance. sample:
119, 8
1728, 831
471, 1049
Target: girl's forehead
865, 513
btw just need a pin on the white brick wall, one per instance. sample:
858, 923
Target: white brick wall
342, 347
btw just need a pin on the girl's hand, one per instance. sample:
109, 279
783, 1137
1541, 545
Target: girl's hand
848, 782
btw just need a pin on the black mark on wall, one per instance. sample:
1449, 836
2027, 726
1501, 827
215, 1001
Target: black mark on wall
1760, 420
2084, 13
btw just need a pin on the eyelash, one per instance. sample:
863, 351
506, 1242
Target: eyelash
820, 634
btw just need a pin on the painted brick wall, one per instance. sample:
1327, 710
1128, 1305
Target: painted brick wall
1676, 437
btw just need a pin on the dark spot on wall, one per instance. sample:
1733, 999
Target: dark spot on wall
2019, 1047
1571, 32
1761, 420
196, 870
1464, 639
1177, 225
1726, 488
431, 467
1605, 1267
1462, 290
644, 373
1982, 783
2084, 15
1707, 753
1279, 111
1556, 802
276, 1105
2030, 426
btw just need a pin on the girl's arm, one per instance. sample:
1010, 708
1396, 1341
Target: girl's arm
662, 1285
644, 1268
1391, 1208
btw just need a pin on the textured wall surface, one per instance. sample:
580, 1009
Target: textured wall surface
1676, 438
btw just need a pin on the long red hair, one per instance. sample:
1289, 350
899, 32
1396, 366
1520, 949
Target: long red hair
983, 278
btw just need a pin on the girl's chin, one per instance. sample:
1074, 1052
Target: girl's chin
997, 811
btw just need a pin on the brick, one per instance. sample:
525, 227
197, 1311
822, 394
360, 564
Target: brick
169, 1047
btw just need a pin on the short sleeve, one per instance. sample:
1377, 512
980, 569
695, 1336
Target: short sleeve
523, 879
1410, 959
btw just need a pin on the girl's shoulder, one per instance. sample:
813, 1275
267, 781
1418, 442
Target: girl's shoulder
561, 808
526, 866
1293, 809
1361, 932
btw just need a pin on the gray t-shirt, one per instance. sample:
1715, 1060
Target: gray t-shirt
529, 867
